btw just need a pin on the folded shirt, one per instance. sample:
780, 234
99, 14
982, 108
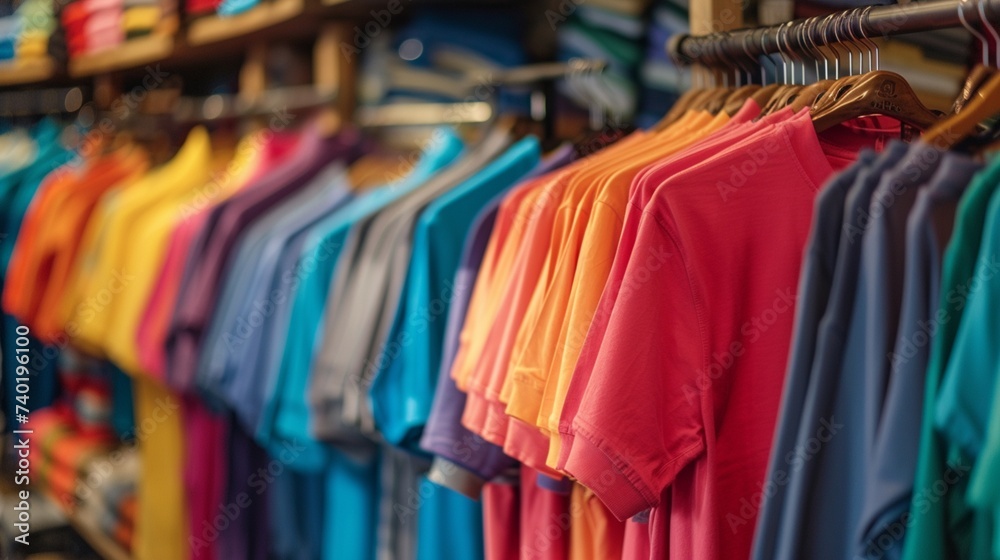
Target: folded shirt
140, 18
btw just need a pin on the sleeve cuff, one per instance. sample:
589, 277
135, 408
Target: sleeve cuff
608, 479
453, 476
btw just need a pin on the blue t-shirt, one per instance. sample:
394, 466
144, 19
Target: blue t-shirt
826, 469
889, 481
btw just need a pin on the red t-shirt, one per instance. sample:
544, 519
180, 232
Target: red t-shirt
684, 388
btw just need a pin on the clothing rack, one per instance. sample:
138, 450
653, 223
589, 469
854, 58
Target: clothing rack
857, 24
40, 102
480, 106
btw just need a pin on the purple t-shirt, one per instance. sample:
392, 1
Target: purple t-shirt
205, 266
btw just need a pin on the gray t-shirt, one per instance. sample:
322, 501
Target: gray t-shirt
363, 299
893, 460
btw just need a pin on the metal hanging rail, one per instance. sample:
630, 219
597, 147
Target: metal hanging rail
804, 35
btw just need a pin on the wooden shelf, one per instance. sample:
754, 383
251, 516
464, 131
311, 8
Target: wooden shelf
133, 53
213, 29
18, 72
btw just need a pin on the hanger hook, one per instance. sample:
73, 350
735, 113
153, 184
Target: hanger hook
871, 45
989, 27
830, 41
787, 51
810, 41
849, 27
763, 70
842, 20
750, 58
976, 34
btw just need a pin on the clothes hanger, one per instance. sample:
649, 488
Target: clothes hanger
838, 85
808, 94
876, 93
776, 102
735, 100
984, 104
688, 100
981, 72
817, 95
960, 129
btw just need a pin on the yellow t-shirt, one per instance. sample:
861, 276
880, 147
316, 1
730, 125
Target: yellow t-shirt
102, 281
145, 256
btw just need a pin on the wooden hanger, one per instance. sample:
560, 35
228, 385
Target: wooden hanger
689, 100
780, 98
979, 75
809, 95
738, 97
716, 101
877, 93
951, 130
763, 96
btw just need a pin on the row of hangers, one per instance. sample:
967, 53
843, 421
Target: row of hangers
865, 90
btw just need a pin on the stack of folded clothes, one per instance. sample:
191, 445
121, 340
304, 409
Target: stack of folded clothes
25, 31
77, 451
93, 26
65, 452
37, 24
429, 58
109, 500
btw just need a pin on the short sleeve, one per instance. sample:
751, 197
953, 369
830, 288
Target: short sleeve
639, 421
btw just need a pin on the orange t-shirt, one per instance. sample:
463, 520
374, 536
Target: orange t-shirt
529, 258
61, 243
19, 294
539, 336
